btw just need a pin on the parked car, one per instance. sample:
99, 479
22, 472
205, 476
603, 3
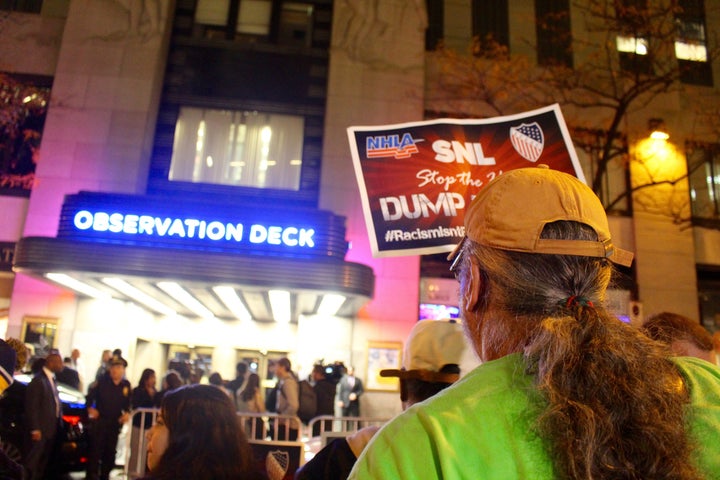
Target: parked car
73, 439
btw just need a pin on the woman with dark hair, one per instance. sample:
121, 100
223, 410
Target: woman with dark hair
249, 400
143, 396
198, 436
170, 381
566, 390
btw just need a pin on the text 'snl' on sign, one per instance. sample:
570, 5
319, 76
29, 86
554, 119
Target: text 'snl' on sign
417, 178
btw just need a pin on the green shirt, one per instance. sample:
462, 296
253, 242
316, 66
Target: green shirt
482, 427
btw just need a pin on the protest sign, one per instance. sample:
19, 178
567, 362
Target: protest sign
417, 178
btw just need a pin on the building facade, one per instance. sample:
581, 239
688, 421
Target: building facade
225, 120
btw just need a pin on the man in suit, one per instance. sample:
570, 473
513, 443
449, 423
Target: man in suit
350, 390
42, 412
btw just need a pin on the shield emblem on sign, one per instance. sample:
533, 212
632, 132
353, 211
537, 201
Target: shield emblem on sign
528, 140
276, 464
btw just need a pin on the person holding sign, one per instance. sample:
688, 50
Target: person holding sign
566, 390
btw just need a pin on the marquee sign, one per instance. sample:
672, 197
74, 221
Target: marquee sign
162, 222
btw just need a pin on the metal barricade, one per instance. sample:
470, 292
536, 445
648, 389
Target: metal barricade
136, 443
341, 425
260, 428
328, 428
269, 426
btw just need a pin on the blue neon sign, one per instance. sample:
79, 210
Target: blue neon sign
147, 225
140, 220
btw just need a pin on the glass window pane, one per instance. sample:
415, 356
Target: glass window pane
636, 45
295, 24
490, 18
212, 12
690, 51
704, 166
553, 31
254, 17
241, 148
614, 182
27, 6
615, 186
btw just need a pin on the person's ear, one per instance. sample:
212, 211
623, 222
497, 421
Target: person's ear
474, 287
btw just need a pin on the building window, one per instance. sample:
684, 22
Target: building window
704, 175
273, 21
253, 17
238, 148
708, 285
490, 20
614, 187
554, 37
691, 44
632, 40
27, 6
296, 21
436, 21
212, 12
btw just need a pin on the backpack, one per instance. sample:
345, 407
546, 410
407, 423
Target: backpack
308, 401
271, 399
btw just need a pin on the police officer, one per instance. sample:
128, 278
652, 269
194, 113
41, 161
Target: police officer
109, 408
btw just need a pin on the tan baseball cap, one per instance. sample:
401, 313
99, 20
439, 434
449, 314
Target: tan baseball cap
510, 213
431, 345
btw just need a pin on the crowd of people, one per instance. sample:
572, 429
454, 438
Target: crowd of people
564, 390
111, 400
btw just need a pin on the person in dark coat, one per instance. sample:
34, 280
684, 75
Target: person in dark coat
349, 393
238, 383
9, 468
43, 411
143, 396
68, 375
325, 395
108, 408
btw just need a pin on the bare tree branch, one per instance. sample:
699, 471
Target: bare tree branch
601, 87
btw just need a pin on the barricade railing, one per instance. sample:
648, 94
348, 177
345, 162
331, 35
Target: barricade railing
136, 443
267, 429
269, 426
324, 424
259, 427
324, 429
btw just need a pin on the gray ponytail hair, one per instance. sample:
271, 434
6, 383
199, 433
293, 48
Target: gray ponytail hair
586, 363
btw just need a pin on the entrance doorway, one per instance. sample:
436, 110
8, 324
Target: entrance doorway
263, 364
191, 362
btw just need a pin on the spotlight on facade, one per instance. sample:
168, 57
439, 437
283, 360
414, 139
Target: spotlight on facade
657, 128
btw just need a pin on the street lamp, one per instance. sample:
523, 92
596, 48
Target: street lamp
657, 129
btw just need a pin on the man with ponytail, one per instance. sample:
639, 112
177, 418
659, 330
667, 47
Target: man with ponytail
566, 390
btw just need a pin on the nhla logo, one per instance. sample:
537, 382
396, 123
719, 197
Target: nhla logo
398, 146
